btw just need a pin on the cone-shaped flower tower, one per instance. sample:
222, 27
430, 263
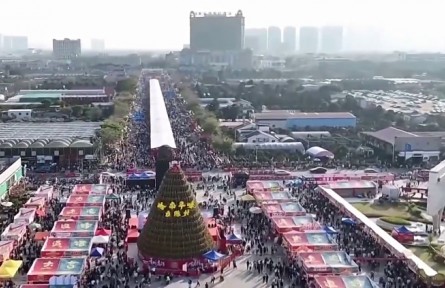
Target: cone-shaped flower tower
175, 228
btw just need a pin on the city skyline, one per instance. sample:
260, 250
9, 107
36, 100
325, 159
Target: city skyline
405, 26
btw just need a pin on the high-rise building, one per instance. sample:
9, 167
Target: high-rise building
274, 39
67, 48
256, 39
97, 44
15, 43
308, 40
289, 39
216, 31
331, 39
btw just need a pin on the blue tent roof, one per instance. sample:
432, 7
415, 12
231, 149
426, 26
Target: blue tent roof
212, 255
329, 230
63, 281
233, 237
97, 252
348, 221
403, 230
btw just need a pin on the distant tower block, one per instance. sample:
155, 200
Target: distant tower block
436, 195
163, 158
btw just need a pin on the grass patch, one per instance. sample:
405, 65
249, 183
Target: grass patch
395, 220
401, 210
424, 255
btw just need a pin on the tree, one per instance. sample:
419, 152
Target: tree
224, 145
93, 114
230, 112
111, 132
213, 106
110, 136
77, 111
46, 103
210, 125
127, 85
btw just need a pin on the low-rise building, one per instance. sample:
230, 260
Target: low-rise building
292, 120
260, 137
11, 172
20, 114
402, 145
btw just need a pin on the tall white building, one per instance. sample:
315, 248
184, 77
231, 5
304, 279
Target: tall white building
289, 39
97, 44
274, 39
67, 48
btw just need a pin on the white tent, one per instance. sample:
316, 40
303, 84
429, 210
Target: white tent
101, 239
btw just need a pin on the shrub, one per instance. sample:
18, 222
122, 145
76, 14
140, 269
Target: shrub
416, 212
395, 220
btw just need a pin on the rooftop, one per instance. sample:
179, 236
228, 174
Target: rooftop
23, 131
288, 114
45, 143
5, 163
390, 134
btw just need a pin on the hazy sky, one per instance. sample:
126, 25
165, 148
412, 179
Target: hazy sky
148, 24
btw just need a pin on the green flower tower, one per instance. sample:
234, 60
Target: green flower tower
175, 228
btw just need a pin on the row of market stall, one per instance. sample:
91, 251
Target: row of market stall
311, 244
74, 239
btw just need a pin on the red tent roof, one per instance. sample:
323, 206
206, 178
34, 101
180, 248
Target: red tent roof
103, 232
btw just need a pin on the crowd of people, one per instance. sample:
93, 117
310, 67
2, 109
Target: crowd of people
275, 267
195, 152
116, 269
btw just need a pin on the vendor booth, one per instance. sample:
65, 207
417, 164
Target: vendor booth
35, 202
14, 231
45, 191
142, 219
66, 247
296, 223
91, 189
273, 196
82, 189
67, 228
354, 188
340, 281
283, 209
311, 240
263, 186
25, 215
332, 262
132, 235
44, 268
403, 234
100, 189
328, 178
81, 213
9, 269
102, 236
86, 200
6, 248
141, 179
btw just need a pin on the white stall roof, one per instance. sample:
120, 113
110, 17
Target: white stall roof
160, 129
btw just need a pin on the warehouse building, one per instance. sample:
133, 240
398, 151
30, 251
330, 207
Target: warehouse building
292, 120
402, 145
